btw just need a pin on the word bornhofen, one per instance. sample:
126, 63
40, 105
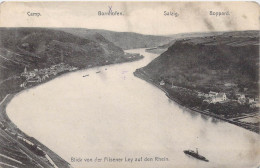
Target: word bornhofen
33, 14
110, 12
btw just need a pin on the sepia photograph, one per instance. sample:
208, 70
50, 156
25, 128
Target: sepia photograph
129, 84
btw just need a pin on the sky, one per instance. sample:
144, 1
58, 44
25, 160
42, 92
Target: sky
139, 17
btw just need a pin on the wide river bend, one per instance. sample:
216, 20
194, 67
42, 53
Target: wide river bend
115, 114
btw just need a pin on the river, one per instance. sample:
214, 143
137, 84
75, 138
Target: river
115, 114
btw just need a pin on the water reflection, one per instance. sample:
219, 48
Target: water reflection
215, 121
205, 118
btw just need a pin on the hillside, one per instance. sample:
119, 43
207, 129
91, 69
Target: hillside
36, 48
31, 56
93, 36
208, 63
128, 40
216, 76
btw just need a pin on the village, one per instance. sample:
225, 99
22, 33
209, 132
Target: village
241, 98
40, 75
221, 97
240, 109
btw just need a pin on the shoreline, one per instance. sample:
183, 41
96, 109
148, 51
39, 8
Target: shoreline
140, 74
10, 130
128, 60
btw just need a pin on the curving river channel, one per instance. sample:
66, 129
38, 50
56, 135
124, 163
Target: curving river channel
115, 114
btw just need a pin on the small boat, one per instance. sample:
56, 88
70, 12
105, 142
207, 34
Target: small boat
98, 71
195, 155
85, 75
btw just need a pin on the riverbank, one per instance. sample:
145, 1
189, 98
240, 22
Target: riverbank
15, 141
142, 75
141, 117
15, 83
21, 150
156, 50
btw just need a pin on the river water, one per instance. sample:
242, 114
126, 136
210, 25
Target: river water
114, 114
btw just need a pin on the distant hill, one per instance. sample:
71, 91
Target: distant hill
211, 63
40, 47
107, 45
124, 40
162, 48
194, 35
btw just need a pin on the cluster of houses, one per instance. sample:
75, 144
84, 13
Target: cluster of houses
221, 97
214, 97
39, 75
242, 99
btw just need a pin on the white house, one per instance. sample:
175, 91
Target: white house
221, 97
162, 83
200, 94
212, 94
215, 97
241, 98
251, 100
255, 103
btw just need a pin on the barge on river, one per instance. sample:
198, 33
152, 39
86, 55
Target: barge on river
195, 155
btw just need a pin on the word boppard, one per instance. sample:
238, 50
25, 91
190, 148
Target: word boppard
213, 13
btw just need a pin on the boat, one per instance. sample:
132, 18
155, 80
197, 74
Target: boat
195, 154
98, 71
85, 75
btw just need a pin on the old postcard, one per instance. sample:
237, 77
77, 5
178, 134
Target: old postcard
129, 85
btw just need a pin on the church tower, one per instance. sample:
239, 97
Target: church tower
25, 70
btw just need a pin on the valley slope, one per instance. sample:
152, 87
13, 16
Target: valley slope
226, 63
31, 56
39, 48
124, 40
